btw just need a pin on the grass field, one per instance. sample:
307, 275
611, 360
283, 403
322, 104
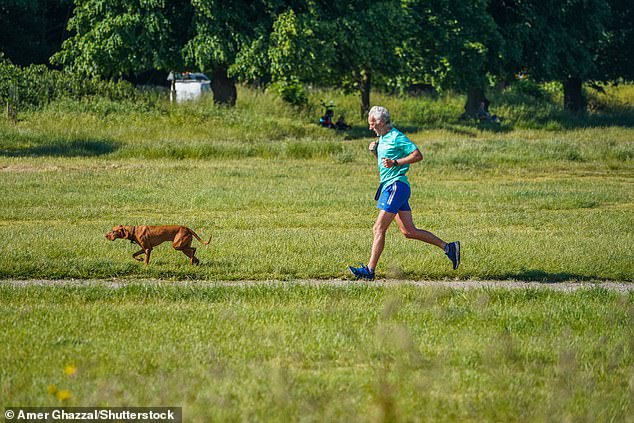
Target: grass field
525, 203
331, 353
545, 197
287, 218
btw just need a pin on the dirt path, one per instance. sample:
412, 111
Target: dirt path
622, 287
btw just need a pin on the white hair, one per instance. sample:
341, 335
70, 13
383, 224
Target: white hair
380, 113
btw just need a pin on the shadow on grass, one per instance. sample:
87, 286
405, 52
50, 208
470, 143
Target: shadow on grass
536, 275
357, 133
362, 132
619, 117
463, 128
523, 114
63, 148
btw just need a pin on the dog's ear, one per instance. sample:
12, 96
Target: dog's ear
122, 232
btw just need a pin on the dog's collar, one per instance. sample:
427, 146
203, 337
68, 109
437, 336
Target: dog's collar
132, 237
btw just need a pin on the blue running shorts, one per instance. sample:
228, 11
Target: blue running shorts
395, 198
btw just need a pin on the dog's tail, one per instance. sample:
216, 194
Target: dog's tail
198, 238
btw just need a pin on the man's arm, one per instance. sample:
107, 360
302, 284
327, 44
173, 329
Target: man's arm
415, 156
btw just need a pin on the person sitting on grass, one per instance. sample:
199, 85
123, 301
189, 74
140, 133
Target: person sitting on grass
326, 120
483, 115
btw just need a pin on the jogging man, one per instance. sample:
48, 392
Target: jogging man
395, 153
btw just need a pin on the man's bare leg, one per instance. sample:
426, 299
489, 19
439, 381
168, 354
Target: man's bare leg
379, 229
407, 227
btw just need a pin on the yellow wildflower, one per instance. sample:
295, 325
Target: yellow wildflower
63, 395
70, 370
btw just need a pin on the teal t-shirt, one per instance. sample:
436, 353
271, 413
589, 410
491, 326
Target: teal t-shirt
394, 145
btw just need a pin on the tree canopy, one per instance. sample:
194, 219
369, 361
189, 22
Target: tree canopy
465, 46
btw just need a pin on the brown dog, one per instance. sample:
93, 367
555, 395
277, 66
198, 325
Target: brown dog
149, 237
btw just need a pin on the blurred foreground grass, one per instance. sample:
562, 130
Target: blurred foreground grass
322, 353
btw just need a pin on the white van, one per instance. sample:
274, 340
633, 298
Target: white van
188, 85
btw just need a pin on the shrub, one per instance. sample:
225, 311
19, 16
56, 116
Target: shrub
291, 91
32, 87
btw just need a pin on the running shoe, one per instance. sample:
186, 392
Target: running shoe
362, 272
453, 252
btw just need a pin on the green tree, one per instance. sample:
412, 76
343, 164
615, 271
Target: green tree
557, 40
220, 29
513, 20
473, 48
119, 38
422, 54
299, 51
341, 44
454, 45
233, 39
368, 37
615, 57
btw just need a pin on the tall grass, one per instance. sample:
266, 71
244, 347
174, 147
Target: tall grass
331, 353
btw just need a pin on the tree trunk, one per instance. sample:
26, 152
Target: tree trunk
573, 95
475, 96
224, 88
365, 83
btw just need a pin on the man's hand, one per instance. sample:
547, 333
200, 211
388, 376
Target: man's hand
372, 147
388, 162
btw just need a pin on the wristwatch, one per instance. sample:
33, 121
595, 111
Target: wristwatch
395, 162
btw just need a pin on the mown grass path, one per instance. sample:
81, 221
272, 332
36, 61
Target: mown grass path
450, 284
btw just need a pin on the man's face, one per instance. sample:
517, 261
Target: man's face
378, 126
